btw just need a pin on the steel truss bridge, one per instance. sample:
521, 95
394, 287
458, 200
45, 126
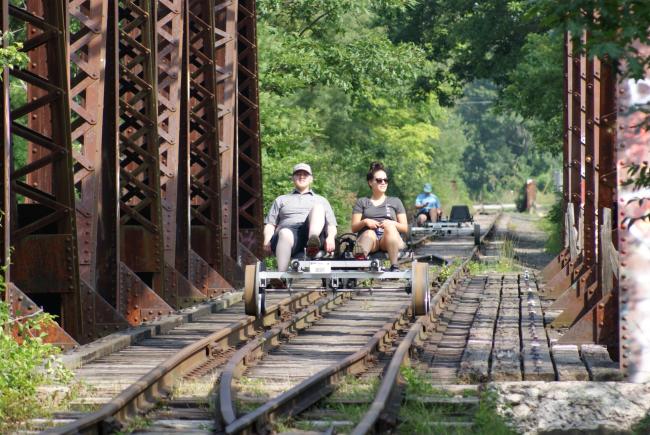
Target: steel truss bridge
132, 177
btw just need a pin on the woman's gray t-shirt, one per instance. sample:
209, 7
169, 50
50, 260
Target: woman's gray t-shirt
389, 209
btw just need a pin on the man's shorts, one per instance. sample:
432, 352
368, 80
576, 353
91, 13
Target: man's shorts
424, 212
300, 236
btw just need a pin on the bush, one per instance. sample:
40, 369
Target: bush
26, 363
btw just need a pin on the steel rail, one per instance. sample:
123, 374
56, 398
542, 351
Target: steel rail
255, 348
143, 394
314, 388
378, 419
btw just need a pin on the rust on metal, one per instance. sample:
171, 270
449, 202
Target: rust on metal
140, 194
42, 189
21, 305
225, 22
144, 394
138, 302
205, 166
249, 172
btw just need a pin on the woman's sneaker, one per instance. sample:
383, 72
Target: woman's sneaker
394, 268
313, 246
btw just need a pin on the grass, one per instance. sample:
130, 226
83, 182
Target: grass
426, 418
251, 387
335, 406
138, 422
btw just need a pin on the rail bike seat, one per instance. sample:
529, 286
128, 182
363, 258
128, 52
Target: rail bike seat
460, 214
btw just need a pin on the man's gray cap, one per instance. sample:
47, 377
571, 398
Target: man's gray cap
302, 167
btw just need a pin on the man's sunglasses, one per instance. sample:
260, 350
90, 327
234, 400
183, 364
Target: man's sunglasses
381, 180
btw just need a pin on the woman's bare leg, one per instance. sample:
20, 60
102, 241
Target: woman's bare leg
368, 242
391, 243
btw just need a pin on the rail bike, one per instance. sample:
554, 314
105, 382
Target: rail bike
340, 270
460, 223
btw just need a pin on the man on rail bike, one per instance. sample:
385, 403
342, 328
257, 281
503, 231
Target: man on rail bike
298, 220
428, 206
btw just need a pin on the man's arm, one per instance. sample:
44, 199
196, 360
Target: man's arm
269, 230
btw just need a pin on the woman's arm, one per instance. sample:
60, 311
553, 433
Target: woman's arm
358, 224
402, 224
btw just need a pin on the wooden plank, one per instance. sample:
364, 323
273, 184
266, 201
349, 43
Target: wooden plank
474, 366
536, 356
599, 364
568, 364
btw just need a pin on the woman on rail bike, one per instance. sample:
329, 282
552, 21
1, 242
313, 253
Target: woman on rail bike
379, 219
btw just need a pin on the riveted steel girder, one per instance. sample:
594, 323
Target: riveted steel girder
140, 194
251, 207
43, 227
225, 31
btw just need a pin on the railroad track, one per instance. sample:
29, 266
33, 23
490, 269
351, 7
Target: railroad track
217, 353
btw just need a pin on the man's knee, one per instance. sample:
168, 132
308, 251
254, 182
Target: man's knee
285, 235
317, 208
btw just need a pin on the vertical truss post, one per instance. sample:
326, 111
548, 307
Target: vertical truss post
207, 254
225, 21
88, 61
590, 163
140, 194
251, 207
173, 153
575, 142
43, 228
633, 98
132, 186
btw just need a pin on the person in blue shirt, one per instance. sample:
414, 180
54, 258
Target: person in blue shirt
427, 205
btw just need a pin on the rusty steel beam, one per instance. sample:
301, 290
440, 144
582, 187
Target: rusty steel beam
251, 207
206, 267
590, 194
173, 152
633, 231
88, 60
142, 248
43, 225
225, 22
575, 145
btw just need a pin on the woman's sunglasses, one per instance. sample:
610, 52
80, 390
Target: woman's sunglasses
381, 180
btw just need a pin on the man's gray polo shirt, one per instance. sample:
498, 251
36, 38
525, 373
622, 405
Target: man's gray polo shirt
292, 209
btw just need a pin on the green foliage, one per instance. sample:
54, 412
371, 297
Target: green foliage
337, 93
11, 56
552, 224
487, 420
24, 366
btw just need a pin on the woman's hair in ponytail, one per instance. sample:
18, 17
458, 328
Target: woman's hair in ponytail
374, 167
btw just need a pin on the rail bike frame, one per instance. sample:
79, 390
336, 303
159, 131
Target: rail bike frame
448, 229
339, 275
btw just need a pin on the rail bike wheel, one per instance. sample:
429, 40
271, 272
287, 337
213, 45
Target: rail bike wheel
477, 234
253, 298
420, 288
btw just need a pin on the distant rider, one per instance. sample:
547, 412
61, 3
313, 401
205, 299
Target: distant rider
428, 205
299, 219
379, 219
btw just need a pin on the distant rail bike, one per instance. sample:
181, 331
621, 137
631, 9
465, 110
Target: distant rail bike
337, 271
460, 223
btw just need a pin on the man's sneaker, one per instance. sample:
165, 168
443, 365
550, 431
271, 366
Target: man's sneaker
394, 268
313, 246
